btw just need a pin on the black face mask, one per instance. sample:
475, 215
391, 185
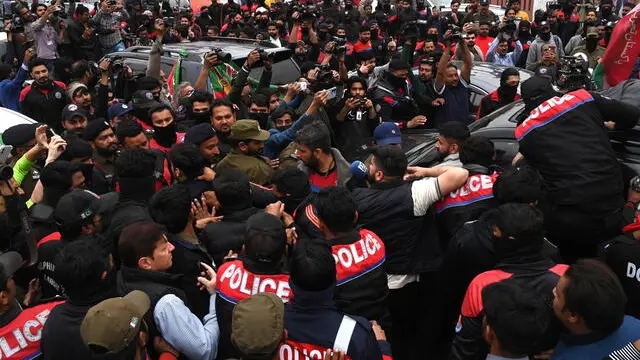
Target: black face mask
591, 43
201, 117
261, 118
165, 136
374, 34
508, 92
545, 36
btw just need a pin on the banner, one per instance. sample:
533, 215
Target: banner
623, 49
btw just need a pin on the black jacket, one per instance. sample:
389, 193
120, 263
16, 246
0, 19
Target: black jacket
44, 104
82, 48
470, 253
228, 234
538, 274
567, 142
361, 287
187, 257
411, 242
61, 338
125, 213
155, 284
395, 104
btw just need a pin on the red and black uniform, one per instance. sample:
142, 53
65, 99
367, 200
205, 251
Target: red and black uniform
492, 102
394, 103
565, 139
239, 280
44, 103
361, 282
540, 275
466, 203
314, 325
20, 338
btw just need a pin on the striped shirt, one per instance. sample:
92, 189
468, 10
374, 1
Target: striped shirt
628, 352
108, 26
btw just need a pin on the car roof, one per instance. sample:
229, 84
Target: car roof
486, 76
11, 118
238, 48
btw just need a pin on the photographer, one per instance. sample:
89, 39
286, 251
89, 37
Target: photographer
452, 84
49, 32
108, 26
474, 50
544, 38
82, 33
356, 118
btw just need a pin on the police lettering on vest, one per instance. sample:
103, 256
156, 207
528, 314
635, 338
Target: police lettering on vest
236, 283
633, 271
550, 110
292, 350
20, 339
478, 187
359, 258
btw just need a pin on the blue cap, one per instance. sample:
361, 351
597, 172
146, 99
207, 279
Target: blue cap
387, 133
359, 170
199, 134
118, 109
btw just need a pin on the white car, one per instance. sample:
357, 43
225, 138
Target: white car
11, 118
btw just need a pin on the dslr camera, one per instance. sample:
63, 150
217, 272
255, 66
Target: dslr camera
456, 33
223, 56
340, 47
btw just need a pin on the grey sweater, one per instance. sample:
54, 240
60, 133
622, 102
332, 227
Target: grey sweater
535, 50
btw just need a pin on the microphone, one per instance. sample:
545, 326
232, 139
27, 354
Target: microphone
359, 170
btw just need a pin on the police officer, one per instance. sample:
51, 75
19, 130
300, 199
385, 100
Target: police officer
248, 140
622, 254
260, 269
20, 329
565, 138
476, 195
361, 287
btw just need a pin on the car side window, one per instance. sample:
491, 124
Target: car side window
506, 150
475, 97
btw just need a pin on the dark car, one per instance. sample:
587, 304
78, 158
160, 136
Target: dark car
285, 70
499, 127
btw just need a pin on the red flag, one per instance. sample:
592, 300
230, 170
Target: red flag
623, 49
173, 80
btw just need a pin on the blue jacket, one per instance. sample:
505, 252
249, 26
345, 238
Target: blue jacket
278, 140
10, 89
594, 347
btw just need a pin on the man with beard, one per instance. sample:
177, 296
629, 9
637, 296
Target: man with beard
74, 120
248, 141
505, 94
325, 165
591, 48
452, 84
482, 15
396, 211
44, 99
356, 117
104, 144
472, 48
449, 141
483, 40
393, 97
544, 37
285, 128
205, 137
498, 52
223, 116
164, 128
274, 34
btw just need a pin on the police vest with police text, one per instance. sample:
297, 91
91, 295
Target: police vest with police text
235, 283
359, 258
478, 187
20, 339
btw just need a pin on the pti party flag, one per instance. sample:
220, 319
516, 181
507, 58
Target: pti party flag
623, 49
173, 81
220, 78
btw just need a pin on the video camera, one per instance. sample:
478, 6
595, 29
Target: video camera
340, 47
456, 33
574, 73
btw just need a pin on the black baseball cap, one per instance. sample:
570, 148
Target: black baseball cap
79, 205
143, 99
94, 128
19, 135
72, 110
199, 134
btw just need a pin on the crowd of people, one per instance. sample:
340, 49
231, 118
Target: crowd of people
144, 217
